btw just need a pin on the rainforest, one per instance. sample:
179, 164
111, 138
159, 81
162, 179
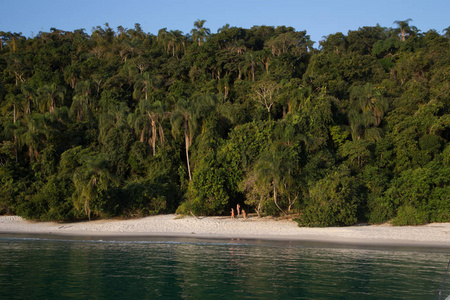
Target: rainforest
123, 123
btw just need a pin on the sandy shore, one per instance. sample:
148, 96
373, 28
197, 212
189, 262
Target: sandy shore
220, 228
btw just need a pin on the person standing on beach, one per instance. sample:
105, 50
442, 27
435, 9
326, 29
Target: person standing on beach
232, 213
243, 214
238, 208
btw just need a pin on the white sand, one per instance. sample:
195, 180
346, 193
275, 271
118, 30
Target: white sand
432, 235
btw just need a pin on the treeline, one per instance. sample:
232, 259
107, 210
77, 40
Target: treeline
126, 123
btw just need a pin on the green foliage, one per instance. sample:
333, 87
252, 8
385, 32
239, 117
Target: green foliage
377, 209
338, 135
410, 215
420, 194
11, 188
208, 191
243, 148
143, 198
52, 202
355, 131
357, 152
333, 201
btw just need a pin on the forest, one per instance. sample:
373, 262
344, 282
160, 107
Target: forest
123, 123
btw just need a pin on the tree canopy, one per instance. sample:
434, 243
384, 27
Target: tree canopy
127, 123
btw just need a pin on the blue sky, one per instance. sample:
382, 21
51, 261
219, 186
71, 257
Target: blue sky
318, 17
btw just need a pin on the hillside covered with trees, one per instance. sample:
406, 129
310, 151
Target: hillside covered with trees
127, 123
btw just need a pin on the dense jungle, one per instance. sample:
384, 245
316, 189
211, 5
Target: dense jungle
123, 123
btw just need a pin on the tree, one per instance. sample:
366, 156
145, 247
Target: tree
333, 201
34, 135
250, 64
155, 114
200, 33
404, 28
265, 93
51, 94
286, 121
447, 32
275, 168
15, 102
28, 92
208, 191
367, 110
145, 85
184, 121
17, 66
82, 101
92, 181
292, 42
175, 41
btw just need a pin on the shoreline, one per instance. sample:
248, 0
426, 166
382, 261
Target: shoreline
171, 228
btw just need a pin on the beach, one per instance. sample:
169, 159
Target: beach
171, 226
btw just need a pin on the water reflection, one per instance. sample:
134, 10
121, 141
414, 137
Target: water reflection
144, 270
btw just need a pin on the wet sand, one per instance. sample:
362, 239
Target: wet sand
251, 230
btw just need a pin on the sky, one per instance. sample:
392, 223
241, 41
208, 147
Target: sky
318, 17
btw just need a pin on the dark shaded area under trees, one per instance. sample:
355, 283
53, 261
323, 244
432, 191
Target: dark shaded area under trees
126, 123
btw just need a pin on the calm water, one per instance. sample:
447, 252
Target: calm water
52, 269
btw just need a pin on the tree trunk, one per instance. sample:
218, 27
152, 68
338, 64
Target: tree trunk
226, 92
253, 73
142, 135
153, 138
28, 109
52, 105
87, 209
258, 210
186, 138
291, 202
161, 135
16, 146
275, 198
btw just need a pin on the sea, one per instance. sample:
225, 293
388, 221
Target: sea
170, 268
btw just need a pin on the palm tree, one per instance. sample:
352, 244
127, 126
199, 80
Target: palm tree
51, 94
239, 47
9, 136
81, 101
250, 64
404, 27
28, 92
183, 119
10, 130
92, 179
200, 33
175, 41
362, 126
369, 99
273, 168
187, 118
144, 85
113, 116
34, 135
71, 73
13, 101
84, 89
151, 118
